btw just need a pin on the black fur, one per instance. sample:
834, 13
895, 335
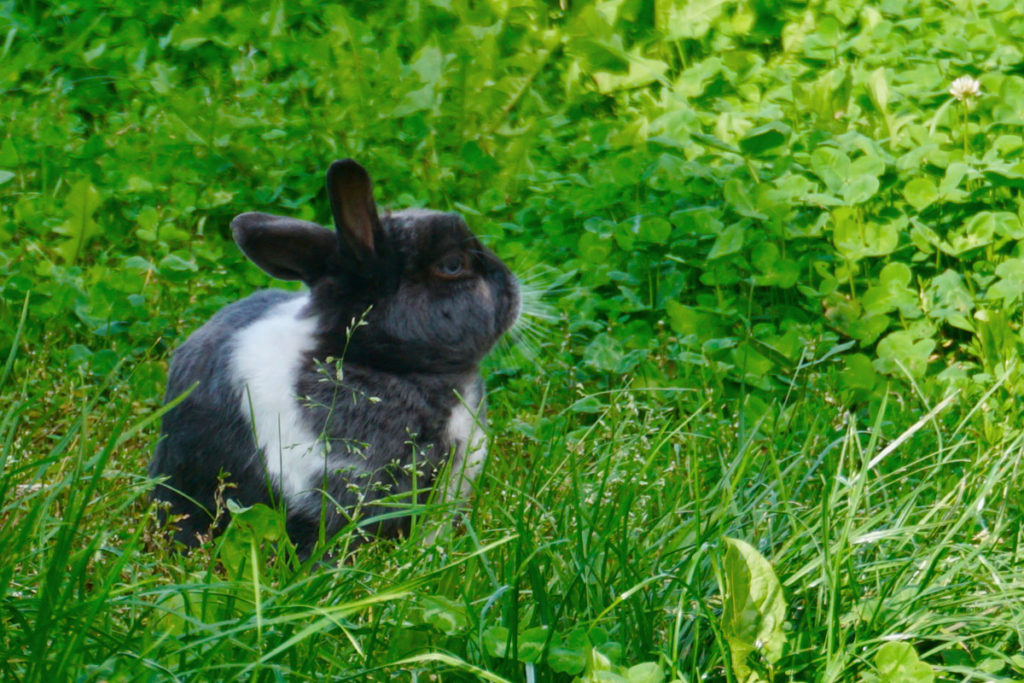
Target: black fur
433, 301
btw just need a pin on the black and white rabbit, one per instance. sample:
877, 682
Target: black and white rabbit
362, 389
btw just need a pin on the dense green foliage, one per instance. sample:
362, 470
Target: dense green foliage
770, 242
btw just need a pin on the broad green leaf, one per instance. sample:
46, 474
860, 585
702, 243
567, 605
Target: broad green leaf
246, 532
147, 221
878, 89
978, 231
897, 662
895, 274
949, 300
998, 340
744, 18
729, 241
822, 200
677, 19
752, 367
648, 672
642, 71
713, 142
496, 641
593, 248
5, 177
92, 55
654, 229
604, 352
600, 669
867, 164
612, 649
754, 608
832, 166
867, 328
597, 20
175, 263
893, 292
1002, 174
824, 42
921, 192
80, 204
531, 644
856, 239
775, 271
858, 373
686, 320
475, 157
693, 80
1008, 291
925, 239
992, 665
737, 194
1008, 225
791, 186
138, 263
859, 189
1011, 269
651, 229
1010, 285
445, 615
1007, 145
567, 660
901, 348
428, 64
764, 256
763, 138
626, 233
420, 99
955, 174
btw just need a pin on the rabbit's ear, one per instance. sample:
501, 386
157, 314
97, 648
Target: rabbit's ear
286, 248
355, 214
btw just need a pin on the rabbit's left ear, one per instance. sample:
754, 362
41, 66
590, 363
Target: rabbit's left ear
286, 248
355, 213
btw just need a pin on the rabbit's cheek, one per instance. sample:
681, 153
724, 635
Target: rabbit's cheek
483, 290
509, 304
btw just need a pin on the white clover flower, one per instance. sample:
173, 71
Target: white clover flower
965, 87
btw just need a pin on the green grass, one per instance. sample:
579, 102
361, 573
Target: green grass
605, 522
776, 292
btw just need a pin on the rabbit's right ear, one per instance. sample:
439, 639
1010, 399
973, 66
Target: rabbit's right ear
286, 248
355, 213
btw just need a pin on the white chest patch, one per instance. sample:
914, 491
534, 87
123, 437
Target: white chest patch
266, 363
465, 429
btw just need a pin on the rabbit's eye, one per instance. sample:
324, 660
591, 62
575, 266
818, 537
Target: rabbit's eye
452, 266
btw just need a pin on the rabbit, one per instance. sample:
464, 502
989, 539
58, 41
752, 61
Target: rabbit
349, 395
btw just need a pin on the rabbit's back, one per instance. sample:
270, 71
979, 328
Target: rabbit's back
285, 422
205, 357
207, 435
347, 400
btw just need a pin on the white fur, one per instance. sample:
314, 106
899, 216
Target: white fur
409, 214
465, 429
407, 217
266, 363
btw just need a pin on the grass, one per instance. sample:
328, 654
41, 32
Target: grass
717, 359
599, 522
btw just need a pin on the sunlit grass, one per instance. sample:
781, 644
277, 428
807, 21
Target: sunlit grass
627, 176
607, 517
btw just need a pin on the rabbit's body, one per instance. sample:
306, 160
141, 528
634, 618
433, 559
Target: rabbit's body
298, 405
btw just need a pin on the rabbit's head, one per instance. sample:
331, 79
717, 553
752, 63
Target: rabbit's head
432, 298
